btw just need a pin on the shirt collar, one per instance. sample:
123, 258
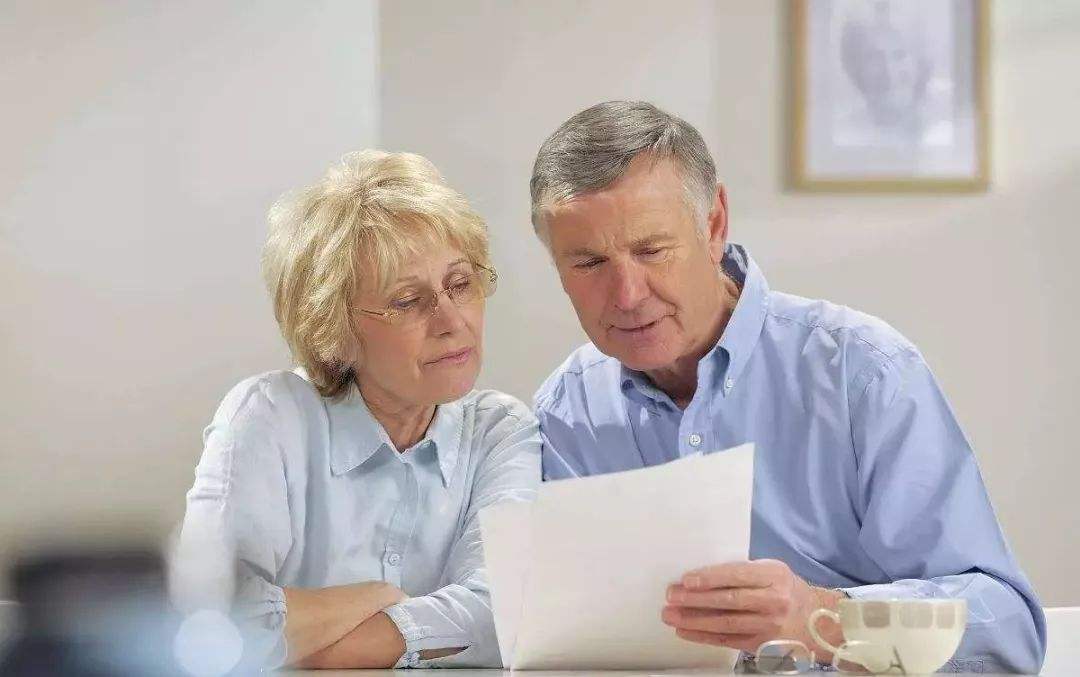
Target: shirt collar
743, 329
355, 434
445, 433
637, 385
729, 356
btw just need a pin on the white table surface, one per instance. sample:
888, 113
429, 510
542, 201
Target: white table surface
544, 673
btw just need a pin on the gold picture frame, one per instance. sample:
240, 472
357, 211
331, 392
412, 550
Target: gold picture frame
848, 130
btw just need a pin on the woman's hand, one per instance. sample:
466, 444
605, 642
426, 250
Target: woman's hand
318, 618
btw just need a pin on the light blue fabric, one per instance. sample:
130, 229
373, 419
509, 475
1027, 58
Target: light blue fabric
863, 480
313, 494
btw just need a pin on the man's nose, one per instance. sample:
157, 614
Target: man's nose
629, 285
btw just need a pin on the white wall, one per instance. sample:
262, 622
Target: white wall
985, 284
142, 145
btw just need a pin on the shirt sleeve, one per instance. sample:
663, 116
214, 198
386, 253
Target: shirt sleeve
928, 522
560, 446
459, 613
556, 466
236, 531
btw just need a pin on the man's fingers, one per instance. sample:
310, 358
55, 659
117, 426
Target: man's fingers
716, 622
761, 600
757, 574
746, 643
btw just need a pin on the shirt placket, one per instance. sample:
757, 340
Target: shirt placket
401, 526
694, 434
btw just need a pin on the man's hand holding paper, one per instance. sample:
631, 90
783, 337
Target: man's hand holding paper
745, 604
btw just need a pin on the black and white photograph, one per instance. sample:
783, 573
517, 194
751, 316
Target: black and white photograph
890, 94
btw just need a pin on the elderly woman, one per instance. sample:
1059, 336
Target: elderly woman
350, 488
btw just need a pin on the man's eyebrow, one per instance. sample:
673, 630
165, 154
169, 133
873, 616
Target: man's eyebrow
580, 251
655, 238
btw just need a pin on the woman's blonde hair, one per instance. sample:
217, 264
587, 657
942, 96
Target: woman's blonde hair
356, 226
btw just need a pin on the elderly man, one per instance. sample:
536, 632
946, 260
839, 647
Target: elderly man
865, 485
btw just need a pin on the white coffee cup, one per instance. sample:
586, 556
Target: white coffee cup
917, 635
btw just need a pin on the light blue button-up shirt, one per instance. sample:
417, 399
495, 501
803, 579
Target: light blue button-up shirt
863, 480
313, 494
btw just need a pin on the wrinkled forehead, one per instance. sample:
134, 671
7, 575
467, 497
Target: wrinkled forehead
421, 255
620, 218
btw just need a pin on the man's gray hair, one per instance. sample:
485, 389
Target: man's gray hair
592, 149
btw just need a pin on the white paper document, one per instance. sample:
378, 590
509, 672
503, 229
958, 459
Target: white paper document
578, 578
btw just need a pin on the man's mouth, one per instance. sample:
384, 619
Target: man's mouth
638, 329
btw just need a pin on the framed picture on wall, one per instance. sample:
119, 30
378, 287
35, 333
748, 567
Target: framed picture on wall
890, 95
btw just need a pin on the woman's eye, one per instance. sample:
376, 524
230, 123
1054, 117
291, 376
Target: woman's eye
460, 286
405, 303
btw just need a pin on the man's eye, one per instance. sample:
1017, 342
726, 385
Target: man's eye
653, 254
589, 263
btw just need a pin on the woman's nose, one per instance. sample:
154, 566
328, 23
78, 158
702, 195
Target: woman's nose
446, 315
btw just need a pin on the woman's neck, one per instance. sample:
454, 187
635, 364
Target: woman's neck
405, 424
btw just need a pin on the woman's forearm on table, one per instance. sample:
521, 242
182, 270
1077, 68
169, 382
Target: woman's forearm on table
317, 618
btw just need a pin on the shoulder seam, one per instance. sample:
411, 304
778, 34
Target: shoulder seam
506, 407
499, 405
559, 382
851, 330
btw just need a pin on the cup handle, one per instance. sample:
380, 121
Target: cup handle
811, 625
839, 652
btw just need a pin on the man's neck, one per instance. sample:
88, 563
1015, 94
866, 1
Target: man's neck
679, 380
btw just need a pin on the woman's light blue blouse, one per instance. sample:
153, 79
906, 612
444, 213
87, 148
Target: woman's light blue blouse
311, 493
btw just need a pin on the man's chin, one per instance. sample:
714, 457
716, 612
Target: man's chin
638, 358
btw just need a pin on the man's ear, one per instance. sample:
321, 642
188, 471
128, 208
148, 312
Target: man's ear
716, 224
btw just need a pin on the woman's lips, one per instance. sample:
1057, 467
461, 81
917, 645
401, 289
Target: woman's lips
456, 357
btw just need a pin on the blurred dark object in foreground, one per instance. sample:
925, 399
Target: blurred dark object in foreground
91, 614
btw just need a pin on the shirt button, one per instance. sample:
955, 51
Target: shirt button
729, 384
394, 559
695, 440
